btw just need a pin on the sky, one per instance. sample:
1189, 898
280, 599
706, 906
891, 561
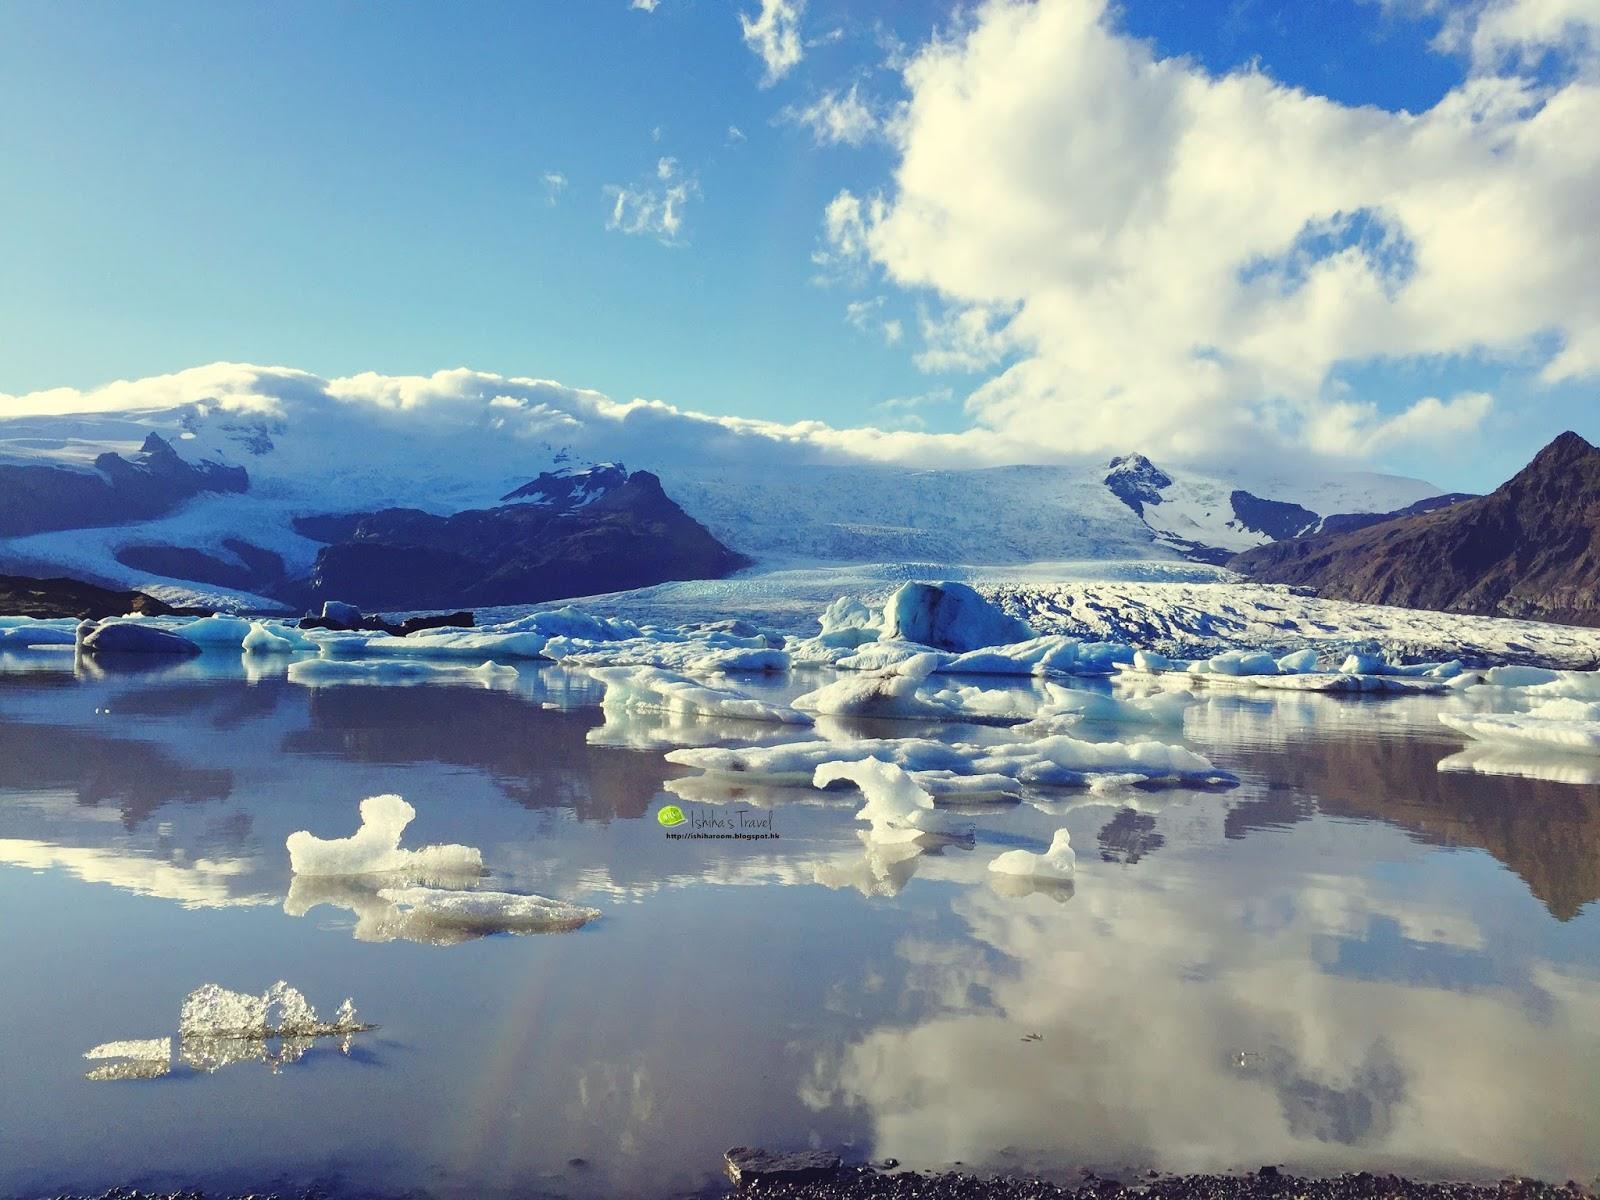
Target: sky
1361, 230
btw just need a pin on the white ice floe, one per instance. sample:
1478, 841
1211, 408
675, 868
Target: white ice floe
374, 849
1054, 761
651, 688
140, 1058
1042, 656
442, 916
1067, 707
896, 808
713, 653
1485, 758
949, 616
1059, 862
1561, 725
1535, 684
27, 633
273, 637
217, 631
889, 693
325, 672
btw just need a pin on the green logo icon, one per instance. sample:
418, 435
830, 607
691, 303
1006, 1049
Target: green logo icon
671, 815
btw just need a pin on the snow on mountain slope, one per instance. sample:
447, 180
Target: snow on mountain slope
463, 439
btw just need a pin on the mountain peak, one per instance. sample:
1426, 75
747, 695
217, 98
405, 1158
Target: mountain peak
1564, 449
1136, 481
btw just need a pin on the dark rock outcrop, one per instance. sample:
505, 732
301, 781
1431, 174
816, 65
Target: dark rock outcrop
1136, 481
569, 488
1529, 549
749, 1167
1350, 522
1276, 518
520, 553
253, 568
38, 498
21, 596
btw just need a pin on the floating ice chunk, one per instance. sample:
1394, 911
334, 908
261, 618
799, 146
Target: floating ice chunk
1520, 677
949, 616
714, 654
1300, 662
1037, 656
23, 637
947, 787
887, 693
1059, 862
344, 614
218, 1027
374, 849
896, 807
1484, 758
1149, 660
651, 688
324, 672
1562, 728
848, 621
570, 622
217, 631
1239, 662
211, 1010
893, 656
442, 916
1067, 707
142, 1058
272, 637
130, 637
1576, 685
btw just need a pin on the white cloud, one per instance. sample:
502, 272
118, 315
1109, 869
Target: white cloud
1356, 429
554, 184
904, 412
654, 207
837, 118
735, 135
1518, 33
774, 35
648, 6
867, 316
1153, 256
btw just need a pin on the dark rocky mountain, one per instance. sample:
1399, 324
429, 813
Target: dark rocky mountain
1530, 549
36, 498
46, 598
629, 535
571, 488
1349, 522
1276, 518
252, 569
1136, 481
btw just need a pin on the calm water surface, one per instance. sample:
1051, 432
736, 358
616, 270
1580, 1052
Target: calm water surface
1351, 960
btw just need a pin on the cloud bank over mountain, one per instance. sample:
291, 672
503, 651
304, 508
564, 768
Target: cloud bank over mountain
1134, 250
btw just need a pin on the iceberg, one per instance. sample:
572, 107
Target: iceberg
896, 808
217, 631
37, 633
1059, 862
651, 688
949, 616
374, 849
440, 916
271, 637
130, 637
218, 1027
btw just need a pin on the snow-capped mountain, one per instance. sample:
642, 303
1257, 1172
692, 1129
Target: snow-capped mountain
309, 449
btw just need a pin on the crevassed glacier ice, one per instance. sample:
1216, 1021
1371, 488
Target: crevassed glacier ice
374, 849
653, 688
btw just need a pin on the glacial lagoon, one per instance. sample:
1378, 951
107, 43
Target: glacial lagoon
1379, 950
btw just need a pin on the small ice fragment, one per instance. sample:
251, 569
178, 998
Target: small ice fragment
1057, 863
441, 916
374, 849
213, 1011
142, 1058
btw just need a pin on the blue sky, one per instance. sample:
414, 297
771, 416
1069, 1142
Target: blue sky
343, 188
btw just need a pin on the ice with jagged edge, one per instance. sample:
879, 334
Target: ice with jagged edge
218, 1027
653, 689
137, 1058
374, 849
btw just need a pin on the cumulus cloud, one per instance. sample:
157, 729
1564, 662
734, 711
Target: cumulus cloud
837, 118
1519, 33
654, 207
1145, 254
773, 34
1359, 430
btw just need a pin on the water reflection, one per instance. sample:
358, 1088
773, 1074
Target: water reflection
1354, 959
